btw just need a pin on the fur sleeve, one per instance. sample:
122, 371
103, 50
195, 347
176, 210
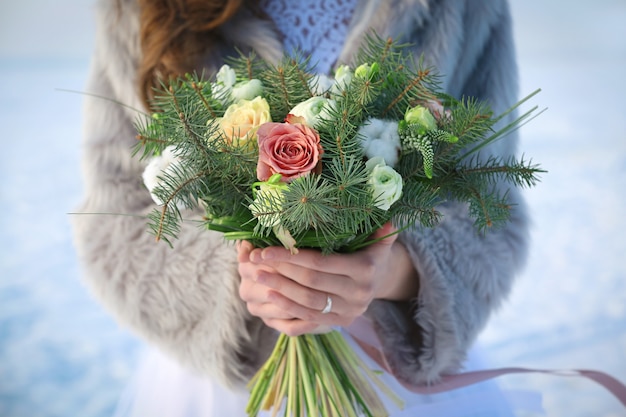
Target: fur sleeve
181, 299
464, 275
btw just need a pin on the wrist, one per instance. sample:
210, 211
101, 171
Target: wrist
401, 280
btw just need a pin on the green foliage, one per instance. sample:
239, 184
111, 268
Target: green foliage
333, 210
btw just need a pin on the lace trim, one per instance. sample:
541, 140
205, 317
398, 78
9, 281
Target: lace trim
315, 28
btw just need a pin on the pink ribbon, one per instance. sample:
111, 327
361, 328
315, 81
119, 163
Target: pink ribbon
365, 336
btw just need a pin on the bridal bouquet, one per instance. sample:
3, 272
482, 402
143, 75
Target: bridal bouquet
277, 155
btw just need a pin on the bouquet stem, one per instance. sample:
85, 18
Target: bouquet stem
316, 375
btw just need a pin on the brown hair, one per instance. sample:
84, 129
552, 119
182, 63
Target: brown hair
174, 34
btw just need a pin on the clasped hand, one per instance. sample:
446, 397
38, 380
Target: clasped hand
288, 292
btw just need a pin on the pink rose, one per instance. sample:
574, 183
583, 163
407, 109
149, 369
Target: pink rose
291, 150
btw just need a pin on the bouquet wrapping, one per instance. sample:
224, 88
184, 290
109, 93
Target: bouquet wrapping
277, 155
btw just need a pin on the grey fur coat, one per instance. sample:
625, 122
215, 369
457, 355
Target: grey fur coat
185, 300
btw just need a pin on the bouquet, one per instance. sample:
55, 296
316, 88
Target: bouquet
277, 155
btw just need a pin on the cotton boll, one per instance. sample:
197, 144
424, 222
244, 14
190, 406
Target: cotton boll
157, 166
381, 138
385, 149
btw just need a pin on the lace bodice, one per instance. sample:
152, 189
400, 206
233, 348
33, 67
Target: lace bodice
316, 28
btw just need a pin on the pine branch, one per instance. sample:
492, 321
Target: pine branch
517, 173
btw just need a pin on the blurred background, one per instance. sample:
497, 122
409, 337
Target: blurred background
61, 355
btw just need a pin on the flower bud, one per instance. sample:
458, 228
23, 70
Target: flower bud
247, 90
366, 71
420, 115
343, 78
226, 76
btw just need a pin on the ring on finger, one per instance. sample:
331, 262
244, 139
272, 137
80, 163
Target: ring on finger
329, 305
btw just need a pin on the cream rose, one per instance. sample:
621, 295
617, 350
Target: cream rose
242, 119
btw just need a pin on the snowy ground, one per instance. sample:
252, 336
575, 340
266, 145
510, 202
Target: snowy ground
61, 355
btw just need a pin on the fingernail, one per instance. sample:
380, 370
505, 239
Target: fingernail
255, 257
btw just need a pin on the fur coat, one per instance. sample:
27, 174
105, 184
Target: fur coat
185, 299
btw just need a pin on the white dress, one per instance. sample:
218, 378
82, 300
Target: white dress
162, 388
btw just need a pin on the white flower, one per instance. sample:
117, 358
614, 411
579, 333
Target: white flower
247, 90
381, 138
226, 76
224, 81
226, 88
385, 183
157, 168
285, 238
343, 78
321, 84
313, 110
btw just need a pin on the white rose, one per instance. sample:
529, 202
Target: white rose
381, 138
247, 90
385, 183
313, 110
158, 167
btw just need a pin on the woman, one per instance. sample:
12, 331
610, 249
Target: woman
217, 308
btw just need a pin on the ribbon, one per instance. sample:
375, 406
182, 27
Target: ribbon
364, 335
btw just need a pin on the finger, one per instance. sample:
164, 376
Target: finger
307, 314
243, 250
297, 293
292, 327
388, 234
334, 263
311, 259
268, 311
291, 279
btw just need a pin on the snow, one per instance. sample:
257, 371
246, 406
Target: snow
62, 355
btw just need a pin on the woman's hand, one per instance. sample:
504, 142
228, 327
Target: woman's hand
288, 292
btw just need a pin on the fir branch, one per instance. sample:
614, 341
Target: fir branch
518, 173
488, 211
149, 139
510, 127
415, 82
198, 140
201, 96
417, 206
